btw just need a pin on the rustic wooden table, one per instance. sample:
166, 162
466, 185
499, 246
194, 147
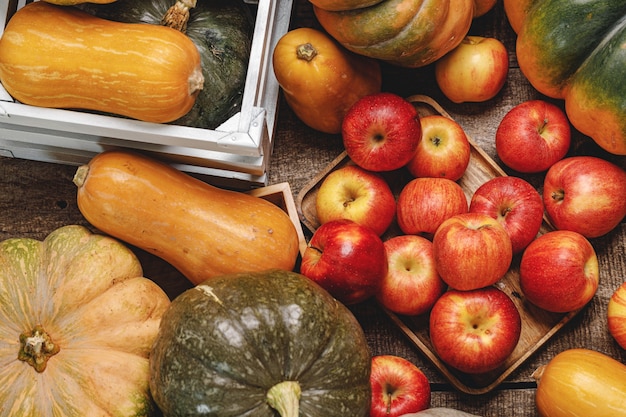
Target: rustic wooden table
36, 198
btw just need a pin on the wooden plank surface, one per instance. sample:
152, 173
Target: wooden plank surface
36, 198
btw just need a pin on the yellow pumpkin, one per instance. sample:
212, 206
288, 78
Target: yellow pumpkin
320, 79
77, 321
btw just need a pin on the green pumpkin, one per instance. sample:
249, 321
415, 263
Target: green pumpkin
222, 30
243, 344
574, 50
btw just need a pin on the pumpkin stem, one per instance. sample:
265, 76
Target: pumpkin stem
36, 347
538, 373
306, 51
284, 397
177, 16
80, 175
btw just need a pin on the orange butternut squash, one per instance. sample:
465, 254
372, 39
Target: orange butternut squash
201, 230
61, 57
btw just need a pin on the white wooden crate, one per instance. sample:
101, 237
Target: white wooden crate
236, 154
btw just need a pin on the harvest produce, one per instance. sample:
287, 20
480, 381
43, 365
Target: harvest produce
398, 387
321, 80
581, 382
201, 230
412, 284
616, 315
559, 271
74, 2
538, 127
381, 132
425, 203
572, 50
408, 33
249, 343
515, 203
444, 150
221, 30
585, 194
354, 193
472, 250
474, 71
346, 259
475, 331
75, 60
78, 322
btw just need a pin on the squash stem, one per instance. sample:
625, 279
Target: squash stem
177, 16
36, 347
81, 175
306, 52
284, 397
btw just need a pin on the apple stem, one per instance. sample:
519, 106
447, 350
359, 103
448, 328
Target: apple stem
558, 195
543, 126
306, 51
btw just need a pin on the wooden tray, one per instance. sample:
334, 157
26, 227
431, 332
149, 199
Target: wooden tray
537, 325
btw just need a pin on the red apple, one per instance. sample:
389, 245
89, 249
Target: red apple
346, 259
472, 250
444, 150
475, 331
559, 271
398, 387
424, 203
533, 136
412, 284
585, 194
616, 315
474, 71
381, 132
515, 203
354, 193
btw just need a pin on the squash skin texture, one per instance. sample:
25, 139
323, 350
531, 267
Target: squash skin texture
223, 344
406, 33
581, 382
201, 230
222, 31
60, 57
87, 292
322, 89
574, 51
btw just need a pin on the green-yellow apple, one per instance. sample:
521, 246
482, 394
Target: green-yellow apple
474, 71
381, 132
540, 129
444, 150
354, 193
616, 315
559, 271
398, 386
412, 284
346, 259
424, 203
585, 194
472, 250
515, 203
474, 331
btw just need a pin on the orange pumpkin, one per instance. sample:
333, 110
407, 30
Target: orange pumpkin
408, 33
320, 79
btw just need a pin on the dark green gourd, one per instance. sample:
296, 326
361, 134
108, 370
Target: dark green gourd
222, 30
224, 345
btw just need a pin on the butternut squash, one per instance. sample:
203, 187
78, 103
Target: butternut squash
201, 230
61, 57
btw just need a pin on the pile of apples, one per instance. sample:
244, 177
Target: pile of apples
454, 246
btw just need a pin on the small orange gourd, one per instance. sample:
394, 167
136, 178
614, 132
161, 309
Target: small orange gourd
320, 79
581, 382
201, 230
61, 57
